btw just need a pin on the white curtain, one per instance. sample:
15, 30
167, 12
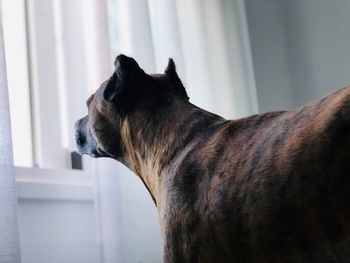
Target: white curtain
207, 39
9, 236
216, 52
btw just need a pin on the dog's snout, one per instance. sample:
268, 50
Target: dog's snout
79, 135
80, 138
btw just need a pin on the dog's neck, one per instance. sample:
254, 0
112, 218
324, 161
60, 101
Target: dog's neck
154, 146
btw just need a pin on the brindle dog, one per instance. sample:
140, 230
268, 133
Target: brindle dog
273, 187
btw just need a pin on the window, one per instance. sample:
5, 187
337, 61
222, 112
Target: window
18, 81
46, 65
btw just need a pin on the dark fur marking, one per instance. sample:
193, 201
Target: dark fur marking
195, 123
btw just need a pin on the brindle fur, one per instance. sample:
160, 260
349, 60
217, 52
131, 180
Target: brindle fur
273, 187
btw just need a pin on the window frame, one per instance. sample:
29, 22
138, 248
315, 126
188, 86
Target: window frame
16, 50
44, 85
53, 185
50, 178
51, 60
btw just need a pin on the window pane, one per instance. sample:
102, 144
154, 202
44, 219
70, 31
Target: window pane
18, 80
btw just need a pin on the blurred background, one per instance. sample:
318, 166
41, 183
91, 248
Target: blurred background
235, 57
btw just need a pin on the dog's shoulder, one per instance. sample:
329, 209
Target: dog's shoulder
268, 141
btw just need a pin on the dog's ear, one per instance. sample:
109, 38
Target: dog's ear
126, 73
170, 68
170, 71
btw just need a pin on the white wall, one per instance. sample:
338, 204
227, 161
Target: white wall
57, 219
54, 231
300, 49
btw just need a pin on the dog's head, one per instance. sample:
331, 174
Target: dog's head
127, 91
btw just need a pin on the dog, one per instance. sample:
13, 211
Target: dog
272, 187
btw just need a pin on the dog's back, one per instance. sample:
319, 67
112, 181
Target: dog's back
273, 187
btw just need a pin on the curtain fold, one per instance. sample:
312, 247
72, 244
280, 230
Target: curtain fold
210, 44
216, 51
166, 35
9, 235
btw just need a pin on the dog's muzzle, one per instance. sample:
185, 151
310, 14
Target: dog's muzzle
81, 142
79, 136
84, 142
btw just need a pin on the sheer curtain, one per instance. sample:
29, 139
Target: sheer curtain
207, 39
9, 236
